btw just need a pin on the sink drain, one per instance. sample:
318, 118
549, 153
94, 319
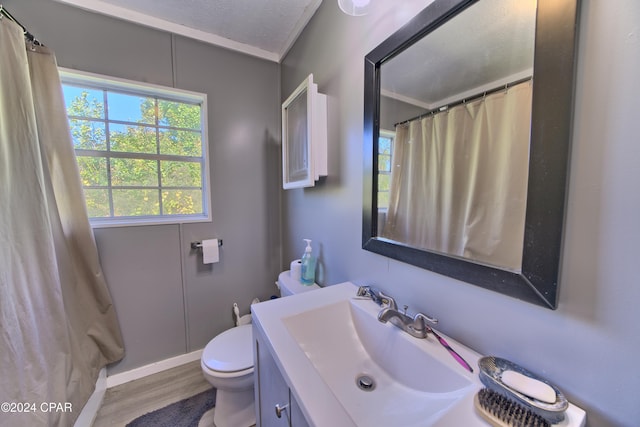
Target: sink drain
365, 382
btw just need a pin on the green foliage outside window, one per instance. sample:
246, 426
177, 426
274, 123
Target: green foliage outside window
385, 146
138, 155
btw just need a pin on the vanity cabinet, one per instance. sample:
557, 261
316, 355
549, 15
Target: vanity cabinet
297, 419
276, 406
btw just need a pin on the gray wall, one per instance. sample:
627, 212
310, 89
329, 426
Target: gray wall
589, 345
167, 301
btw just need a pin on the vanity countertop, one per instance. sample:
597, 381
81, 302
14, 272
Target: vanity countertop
319, 404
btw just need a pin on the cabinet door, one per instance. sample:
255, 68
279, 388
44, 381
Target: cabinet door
297, 419
271, 389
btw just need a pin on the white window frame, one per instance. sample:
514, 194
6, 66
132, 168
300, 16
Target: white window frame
384, 133
97, 81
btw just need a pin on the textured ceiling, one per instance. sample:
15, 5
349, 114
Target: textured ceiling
489, 42
485, 46
264, 28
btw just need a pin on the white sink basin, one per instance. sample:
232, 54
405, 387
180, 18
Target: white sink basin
411, 386
322, 341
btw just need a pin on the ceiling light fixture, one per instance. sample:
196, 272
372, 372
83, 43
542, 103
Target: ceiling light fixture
355, 7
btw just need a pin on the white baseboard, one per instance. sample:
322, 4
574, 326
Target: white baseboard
88, 414
153, 368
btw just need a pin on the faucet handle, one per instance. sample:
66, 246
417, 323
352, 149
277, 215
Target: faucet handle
389, 301
377, 296
364, 291
420, 327
369, 292
420, 317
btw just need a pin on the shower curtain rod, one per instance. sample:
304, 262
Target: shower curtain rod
30, 37
479, 95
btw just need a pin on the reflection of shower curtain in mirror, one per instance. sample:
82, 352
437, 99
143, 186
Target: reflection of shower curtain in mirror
459, 180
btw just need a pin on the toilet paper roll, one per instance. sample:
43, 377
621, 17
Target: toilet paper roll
295, 271
210, 251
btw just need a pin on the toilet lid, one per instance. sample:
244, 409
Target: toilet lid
230, 351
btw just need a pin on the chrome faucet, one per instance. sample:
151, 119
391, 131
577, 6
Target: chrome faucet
377, 296
414, 326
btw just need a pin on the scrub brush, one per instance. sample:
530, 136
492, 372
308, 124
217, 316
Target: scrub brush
500, 411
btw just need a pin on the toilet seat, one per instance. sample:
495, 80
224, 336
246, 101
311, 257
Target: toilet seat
231, 351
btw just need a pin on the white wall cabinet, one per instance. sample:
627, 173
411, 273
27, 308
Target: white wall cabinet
272, 391
304, 136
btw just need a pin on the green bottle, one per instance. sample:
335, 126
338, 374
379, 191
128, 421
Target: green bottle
308, 276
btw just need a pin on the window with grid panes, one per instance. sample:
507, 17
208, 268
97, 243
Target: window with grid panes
385, 151
141, 150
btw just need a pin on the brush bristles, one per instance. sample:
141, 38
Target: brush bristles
507, 411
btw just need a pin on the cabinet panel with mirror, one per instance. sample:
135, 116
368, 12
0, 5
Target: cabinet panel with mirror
467, 131
304, 136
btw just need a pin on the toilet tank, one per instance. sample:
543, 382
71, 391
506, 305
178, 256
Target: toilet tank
290, 286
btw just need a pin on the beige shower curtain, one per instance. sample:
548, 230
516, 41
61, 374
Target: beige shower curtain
58, 327
459, 180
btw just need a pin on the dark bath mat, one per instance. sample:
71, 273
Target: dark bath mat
185, 413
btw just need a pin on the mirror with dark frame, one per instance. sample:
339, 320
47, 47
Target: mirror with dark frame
467, 130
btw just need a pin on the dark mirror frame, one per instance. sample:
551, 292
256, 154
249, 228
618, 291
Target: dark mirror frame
551, 126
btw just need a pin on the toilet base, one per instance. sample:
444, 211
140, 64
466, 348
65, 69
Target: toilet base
234, 408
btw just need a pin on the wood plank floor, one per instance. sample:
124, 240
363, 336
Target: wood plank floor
126, 402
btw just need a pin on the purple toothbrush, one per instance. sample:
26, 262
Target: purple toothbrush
455, 355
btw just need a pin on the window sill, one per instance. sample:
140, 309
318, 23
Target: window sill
144, 221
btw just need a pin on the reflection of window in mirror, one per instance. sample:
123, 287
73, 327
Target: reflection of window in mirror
385, 154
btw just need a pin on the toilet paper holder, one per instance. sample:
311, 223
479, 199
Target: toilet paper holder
197, 245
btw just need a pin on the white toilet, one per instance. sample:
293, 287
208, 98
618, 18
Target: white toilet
227, 363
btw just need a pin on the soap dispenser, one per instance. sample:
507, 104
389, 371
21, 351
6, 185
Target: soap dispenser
308, 276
